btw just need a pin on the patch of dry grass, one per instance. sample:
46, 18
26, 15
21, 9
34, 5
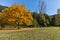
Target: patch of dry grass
12, 30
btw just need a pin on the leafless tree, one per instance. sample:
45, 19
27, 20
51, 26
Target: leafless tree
41, 6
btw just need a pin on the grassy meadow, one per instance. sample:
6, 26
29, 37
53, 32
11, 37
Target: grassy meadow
49, 33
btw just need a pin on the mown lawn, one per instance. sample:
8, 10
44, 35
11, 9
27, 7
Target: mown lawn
48, 33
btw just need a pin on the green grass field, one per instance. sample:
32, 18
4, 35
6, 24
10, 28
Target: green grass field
48, 33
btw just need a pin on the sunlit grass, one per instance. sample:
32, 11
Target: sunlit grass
48, 33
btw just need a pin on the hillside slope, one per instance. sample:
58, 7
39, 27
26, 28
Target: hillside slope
2, 7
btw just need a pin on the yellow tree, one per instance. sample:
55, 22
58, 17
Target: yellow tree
17, 15
57, 20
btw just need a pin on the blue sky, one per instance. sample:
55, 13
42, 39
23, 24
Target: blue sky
51, 9
52, 6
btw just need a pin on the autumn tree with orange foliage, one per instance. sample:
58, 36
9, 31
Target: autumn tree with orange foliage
17, 15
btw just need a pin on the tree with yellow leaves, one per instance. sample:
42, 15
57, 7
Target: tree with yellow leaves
17, 15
